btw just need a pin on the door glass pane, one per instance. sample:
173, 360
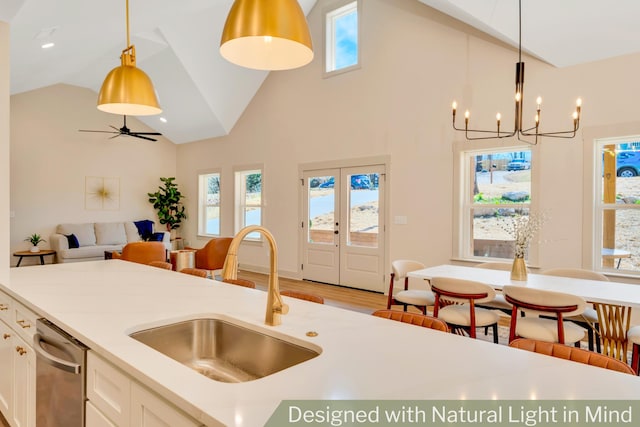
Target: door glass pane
363, 210
321, 209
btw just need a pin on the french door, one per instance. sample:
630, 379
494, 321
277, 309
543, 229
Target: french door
343, 226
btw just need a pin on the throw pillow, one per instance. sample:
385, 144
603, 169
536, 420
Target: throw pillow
110, 233
84, 232
73, 241
156, 237
145, 228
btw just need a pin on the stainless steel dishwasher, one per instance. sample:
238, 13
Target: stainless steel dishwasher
60, 377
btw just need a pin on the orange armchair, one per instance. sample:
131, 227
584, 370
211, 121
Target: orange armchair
142, 252
213, 254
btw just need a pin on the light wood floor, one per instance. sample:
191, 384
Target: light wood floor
337, 296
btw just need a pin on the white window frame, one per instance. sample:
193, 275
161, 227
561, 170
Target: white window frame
599, 206
463, 244
330, 14
240, 198
202, 202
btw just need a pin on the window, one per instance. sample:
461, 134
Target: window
249, 200
496, 189
209, 204
617, 205
342, 38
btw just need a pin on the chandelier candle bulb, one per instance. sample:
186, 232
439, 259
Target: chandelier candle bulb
466, 118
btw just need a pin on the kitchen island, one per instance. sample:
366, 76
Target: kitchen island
362, 357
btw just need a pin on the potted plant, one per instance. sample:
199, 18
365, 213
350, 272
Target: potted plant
166, 201
35, 239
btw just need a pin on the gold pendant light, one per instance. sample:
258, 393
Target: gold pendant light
127, 90
266, 35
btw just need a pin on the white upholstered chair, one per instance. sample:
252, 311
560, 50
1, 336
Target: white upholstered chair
420, 298
456, 301
556, 304
588, 319
498, 303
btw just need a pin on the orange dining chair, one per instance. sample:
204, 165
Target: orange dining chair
161, 264
142, 252
537, 303
456, 301
417, 297
588, 319
633, 337
211, 257
241, 282
413, 319
303, 295
574, 354
195, 272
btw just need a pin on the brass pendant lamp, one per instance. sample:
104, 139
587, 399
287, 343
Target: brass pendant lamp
127, 90
266, 35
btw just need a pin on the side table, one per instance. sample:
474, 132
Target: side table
43, 253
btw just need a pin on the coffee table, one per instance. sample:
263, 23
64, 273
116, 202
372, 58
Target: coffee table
42, 253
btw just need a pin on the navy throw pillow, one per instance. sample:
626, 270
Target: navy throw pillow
145, 228
73, 241
156, 237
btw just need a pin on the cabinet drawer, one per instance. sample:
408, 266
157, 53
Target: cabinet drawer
24, 321
108, 389
95, 418
6, 305
149, 410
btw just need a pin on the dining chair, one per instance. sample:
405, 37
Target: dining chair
498, 303
455, 303
161, 264
142, 252
195, 272
537, 303
574, 354
241, 282
588, 319
414, 319
419, 298
212, 255
633, 337
304, 296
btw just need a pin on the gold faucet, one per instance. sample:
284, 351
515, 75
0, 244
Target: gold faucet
275, 306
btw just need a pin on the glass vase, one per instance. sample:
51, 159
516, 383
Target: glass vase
519, 270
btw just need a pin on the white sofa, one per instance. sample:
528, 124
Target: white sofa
94, 239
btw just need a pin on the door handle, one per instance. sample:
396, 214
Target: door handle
52, 360
335, 232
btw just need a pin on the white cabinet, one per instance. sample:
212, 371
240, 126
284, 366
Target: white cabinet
7, 349
116, 400
18, 362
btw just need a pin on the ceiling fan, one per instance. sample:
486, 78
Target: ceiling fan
124, 130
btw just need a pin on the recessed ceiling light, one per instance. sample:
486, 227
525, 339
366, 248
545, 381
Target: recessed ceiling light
48, 45
163, 120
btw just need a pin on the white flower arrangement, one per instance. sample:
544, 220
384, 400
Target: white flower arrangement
522, 228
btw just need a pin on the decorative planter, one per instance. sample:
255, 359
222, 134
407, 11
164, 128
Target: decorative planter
34, 249
519, 270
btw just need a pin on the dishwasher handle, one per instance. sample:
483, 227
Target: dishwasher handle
52, 360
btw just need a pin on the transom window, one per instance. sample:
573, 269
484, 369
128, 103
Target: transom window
342, 38
497, 188
617, 204
209, 204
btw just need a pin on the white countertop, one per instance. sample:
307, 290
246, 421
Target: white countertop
363, 357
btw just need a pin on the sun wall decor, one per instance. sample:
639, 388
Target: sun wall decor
102, 193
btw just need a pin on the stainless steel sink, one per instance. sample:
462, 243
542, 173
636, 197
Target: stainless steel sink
224, 351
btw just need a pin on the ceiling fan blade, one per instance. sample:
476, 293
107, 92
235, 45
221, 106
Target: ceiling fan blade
145, 133
99, 131
115, 136
141, 137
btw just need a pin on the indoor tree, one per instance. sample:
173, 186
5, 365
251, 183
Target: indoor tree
166, 201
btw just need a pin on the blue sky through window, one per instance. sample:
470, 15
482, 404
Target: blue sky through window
346, 37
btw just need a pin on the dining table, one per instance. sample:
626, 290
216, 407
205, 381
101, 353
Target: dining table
613, 301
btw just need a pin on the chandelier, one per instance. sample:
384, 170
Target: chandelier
518, 130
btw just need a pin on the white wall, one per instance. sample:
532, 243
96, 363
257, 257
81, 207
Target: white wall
50, 161
415, 61
4, 150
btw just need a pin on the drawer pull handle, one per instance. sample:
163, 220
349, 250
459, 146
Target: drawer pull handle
6, 336
4, 307
21, 350
24, 323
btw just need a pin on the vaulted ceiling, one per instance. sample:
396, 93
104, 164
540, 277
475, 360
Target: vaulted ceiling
202, 95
